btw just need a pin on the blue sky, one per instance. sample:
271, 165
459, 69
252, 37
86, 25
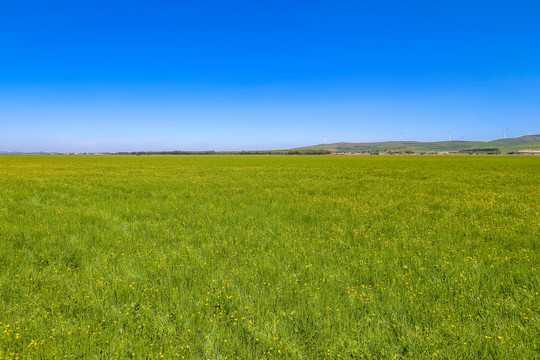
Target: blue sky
163, 75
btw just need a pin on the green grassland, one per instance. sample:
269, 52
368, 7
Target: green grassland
253, 257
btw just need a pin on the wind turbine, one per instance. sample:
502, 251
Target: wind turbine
449, 136
530, 130
401, 137
505, 133
325, 139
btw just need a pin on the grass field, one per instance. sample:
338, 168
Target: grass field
250, 257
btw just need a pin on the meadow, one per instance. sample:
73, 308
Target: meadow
254, 257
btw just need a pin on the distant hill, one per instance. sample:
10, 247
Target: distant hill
505, 146
524, 144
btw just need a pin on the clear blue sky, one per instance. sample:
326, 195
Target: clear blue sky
163, 75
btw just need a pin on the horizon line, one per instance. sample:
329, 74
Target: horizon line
17, 152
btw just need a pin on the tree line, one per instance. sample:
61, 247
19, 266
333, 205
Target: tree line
212, 152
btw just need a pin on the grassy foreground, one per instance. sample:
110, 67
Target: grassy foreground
269, 256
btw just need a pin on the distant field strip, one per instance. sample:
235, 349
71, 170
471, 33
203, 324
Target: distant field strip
254, 257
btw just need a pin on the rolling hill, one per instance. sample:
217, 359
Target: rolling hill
508, 145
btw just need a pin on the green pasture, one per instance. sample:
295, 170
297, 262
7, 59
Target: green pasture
254, 257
